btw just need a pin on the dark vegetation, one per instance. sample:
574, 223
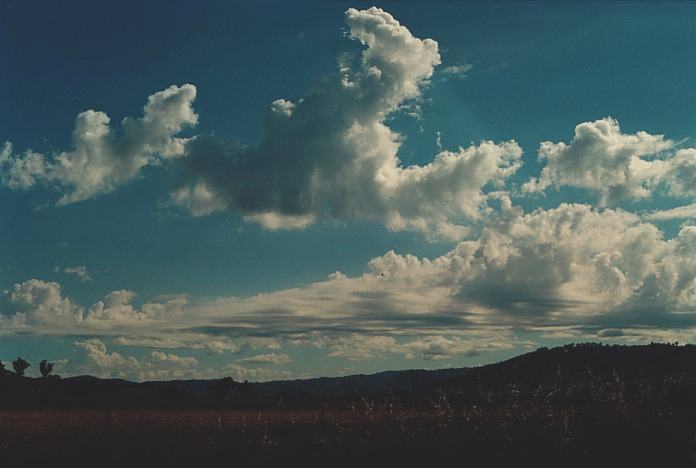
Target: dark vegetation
20, 366
574, 405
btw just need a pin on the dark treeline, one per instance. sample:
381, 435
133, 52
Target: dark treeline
571, 374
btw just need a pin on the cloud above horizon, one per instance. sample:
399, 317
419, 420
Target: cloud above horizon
571, 266
509, 271
615, 165
329, 155
102, 159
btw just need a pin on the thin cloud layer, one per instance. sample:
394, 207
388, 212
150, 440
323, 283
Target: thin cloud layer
457, 70
81, 272
569, 266
270, 358
94, 358
358, 347
681, 212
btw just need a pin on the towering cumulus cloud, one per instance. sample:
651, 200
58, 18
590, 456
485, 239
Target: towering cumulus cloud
331, 155
101, 160
328, 155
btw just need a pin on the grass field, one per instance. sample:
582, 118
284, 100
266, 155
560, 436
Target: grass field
372, 436
75, 419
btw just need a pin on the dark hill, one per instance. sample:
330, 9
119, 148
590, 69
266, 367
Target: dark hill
571, 373
576, 405
578, 362
91, 392
585, 374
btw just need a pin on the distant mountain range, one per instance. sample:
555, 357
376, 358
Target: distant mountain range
567, 370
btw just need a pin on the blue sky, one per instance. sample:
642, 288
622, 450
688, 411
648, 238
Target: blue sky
141, 253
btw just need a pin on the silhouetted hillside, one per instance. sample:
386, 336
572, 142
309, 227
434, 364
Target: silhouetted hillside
389, 382
576, 405
571, 373
585, 375
578, 362
91, 392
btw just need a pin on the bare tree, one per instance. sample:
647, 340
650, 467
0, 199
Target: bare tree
20, 366
46, 368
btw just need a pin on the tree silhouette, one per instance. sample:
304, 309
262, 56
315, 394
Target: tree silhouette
220, 388
46, 368
20, 366
3, 371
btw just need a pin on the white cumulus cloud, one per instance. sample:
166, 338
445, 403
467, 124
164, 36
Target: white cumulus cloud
613, 164
157, 365
332, 155
573, 265
101, 158
38, 303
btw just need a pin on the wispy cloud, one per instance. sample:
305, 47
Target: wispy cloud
570, 266
270, 358
457, 70
80, 271
681, 212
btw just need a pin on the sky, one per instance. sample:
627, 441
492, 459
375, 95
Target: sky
274, 190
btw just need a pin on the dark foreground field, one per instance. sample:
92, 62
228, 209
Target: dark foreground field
571, 406
444, 436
